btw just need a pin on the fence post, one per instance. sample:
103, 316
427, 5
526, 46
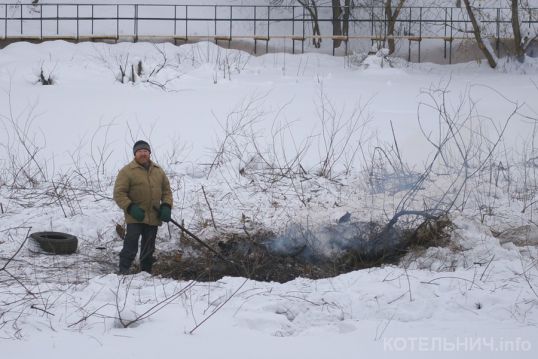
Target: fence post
57, 19
117, 22
385, 29
451, 36
5, 22
255, 41
268, 25
21, 22
419, 34
186, 22
41, 21
175, 20
136, 23
409, 34
446, 15
92, 19
303, 40
372, 26
293, 29
77, 23
497, 41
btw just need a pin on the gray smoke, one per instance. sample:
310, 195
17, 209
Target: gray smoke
326, 242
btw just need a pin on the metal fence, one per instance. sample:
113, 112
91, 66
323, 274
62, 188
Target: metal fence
291, 26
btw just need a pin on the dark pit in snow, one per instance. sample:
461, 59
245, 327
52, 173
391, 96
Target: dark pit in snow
300, 252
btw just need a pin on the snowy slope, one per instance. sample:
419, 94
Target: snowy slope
207, 105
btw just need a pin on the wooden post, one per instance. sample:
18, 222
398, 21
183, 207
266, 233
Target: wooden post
41, 21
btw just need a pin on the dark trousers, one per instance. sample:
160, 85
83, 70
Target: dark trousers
130, 246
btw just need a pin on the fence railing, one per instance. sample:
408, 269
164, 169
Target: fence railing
288, 25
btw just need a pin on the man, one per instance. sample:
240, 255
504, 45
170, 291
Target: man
142, 190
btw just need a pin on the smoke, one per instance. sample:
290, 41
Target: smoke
367, 239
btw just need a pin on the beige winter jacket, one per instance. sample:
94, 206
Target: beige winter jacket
147, 188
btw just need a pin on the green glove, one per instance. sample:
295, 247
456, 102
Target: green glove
136, 212
165, 212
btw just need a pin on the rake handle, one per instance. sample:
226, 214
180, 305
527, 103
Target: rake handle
197, 239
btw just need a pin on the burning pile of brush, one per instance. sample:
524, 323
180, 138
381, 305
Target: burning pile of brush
297, 252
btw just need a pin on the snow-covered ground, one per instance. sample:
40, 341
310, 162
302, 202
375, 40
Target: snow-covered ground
267, 141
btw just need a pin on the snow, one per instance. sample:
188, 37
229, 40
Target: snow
475, 297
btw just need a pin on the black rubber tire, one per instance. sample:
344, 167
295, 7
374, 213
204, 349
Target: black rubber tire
56, 242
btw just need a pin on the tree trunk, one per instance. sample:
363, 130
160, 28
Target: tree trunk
516, 28
478, 36
391, 22
390, 26
347, 15
337, 23
315, 29
312, 8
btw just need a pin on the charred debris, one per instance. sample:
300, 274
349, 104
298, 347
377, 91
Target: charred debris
302, 252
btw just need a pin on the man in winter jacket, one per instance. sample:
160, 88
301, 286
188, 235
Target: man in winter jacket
142, 191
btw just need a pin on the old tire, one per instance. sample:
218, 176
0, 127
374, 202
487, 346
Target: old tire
56, 242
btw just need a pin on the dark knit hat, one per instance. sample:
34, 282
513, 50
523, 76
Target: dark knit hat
141, 145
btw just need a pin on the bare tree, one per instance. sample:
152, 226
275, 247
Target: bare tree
516, 28
341, 14
340, 19
521, 42
337, 22
482, 45
392, 16
312, 8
